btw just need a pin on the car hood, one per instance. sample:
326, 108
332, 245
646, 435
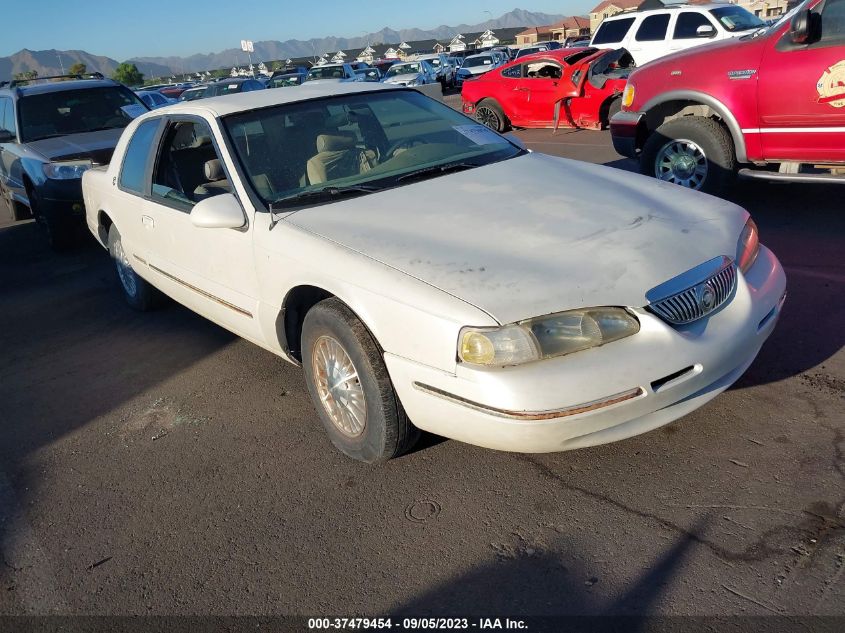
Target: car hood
535, 234
97, 146
478, 70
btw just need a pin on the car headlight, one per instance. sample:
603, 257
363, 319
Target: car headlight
748, 246
67, 170
413, 82
545, 337
628, 95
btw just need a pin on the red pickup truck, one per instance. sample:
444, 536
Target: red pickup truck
767, 105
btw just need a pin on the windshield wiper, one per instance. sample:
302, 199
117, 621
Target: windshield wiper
437, 170
323, 193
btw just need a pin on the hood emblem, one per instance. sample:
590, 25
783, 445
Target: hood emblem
706, 297
831, 85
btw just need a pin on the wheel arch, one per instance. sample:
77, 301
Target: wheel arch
296, 304
678, 103
104, 223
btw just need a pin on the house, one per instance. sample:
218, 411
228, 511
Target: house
765, 9
391, 53
488, 38
533, 35
573, 26
366, 55
438, 48
606, 8
457, 44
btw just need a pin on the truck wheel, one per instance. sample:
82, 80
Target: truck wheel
350, 386
489, 113
138, 293
692, 151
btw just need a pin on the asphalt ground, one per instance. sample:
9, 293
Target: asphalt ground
156, 464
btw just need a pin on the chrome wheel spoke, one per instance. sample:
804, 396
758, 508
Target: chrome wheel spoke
339, 386
681, 162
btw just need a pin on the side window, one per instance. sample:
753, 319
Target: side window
833, 21
4, 103
653, 28
542, 70
188, 168
135, 160
513, 72
688, 22
612, 31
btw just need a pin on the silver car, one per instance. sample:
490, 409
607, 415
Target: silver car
416, 73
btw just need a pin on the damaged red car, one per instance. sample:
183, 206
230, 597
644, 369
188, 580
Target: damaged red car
571, 87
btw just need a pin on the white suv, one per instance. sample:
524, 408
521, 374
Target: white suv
654, 33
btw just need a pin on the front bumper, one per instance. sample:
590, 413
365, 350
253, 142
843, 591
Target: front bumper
625, 130
61, 200
604, 394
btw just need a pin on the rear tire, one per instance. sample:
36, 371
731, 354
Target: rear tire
692, 151
490, 114
139, 294
350, 387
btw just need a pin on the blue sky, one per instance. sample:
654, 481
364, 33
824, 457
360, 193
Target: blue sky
131, 28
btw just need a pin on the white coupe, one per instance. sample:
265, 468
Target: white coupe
428, 273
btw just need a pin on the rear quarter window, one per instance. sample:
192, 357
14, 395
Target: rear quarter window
612, 31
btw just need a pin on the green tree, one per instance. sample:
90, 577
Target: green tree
78, 69
26, 75
128, 73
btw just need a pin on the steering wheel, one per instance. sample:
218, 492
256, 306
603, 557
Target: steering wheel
403, 144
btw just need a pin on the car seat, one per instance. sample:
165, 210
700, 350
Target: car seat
217, 181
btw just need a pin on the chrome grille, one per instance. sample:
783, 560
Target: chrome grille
699, 300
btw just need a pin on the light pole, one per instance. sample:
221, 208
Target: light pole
61, 64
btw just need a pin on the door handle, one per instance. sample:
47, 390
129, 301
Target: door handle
148, 222
520, 89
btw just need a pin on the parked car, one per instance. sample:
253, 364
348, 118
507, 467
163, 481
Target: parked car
416, 73
769, 105
50, 133
384, 64
174, 91
539, 47
444, 70
320, 223
286, 81
154, 99
331, 73
654, 33
577, 42
193, 93
575, 87
476, 65
368, 74
232, 85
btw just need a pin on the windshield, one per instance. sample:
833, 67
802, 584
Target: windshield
325, 72
404, 69
735, 18
368, 141
76, 111
224, 88
285, 81
471, 62
434, 61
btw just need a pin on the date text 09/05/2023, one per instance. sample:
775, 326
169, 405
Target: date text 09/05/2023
414, 624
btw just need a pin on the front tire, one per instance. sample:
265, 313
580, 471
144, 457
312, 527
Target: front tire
138, 293
490, 113
56, 230
350, 387
692, 151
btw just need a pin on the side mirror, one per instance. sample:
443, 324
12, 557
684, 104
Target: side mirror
706, 30
222, 211
799, 28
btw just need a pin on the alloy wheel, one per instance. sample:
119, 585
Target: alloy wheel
124, 270
339, 387
486, 116
681, 162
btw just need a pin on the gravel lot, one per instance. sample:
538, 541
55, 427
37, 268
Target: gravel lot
156, 464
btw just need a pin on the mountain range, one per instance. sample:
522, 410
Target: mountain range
50, 62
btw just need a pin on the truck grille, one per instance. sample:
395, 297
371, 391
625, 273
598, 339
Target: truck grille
699, 300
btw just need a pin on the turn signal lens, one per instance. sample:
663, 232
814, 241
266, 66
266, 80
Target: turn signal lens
748, 246
628, 95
